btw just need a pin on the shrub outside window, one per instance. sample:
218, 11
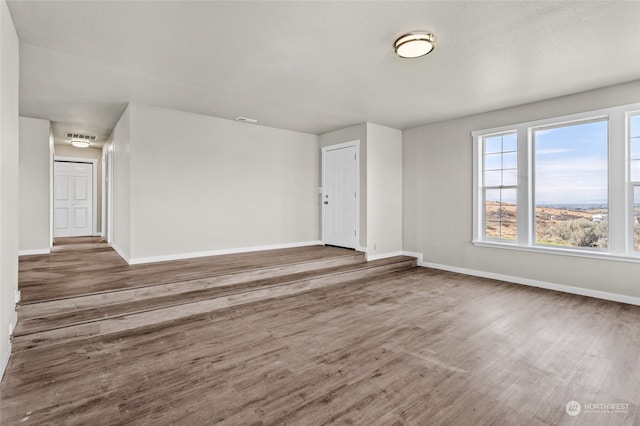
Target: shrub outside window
565, 185
570, 185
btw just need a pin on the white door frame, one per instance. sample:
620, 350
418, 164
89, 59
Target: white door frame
94, 161
109, 178
356, 144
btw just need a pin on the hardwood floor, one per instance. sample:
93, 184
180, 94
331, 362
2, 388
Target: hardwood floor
410, 347
88, 267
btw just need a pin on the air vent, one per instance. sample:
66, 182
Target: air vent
82, 137
246, 120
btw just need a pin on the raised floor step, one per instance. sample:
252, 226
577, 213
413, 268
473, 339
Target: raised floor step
56, 306
70, 272
45, 330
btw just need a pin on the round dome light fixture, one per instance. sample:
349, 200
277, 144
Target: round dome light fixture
80, 143
414, 45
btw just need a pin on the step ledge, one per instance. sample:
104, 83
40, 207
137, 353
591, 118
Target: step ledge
222, 274
286, 283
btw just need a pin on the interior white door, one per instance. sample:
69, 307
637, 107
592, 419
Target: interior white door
339, 196
72, 199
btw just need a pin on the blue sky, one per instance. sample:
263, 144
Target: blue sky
571, 164
635, 147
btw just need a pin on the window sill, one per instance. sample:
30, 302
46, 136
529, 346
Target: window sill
561, 251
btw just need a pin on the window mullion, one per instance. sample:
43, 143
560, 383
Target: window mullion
524, 215
619, 236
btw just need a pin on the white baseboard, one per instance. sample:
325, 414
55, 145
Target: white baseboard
34, 251
12, 322
4, 361
371, 257
414, 254
120, 252
192, 255
529, 282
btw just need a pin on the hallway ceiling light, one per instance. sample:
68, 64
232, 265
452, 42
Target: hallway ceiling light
80, 144
414, 45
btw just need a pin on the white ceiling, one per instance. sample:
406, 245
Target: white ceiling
313, 66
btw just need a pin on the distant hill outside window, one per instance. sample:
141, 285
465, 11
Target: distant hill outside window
571, 185
567, 185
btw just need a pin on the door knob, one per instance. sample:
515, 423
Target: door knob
326, 202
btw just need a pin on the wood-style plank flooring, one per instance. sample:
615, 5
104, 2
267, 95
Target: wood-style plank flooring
79, 266
417, 347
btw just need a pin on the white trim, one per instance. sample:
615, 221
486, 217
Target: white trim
561, 120
529, 282
108, 220
12, 322
94, 196
355, 142
414, 254
192, 255
4, 361
371, 257
361, 249
324, 149
591, 254
51, 175
103, 186
34, 251
120, 252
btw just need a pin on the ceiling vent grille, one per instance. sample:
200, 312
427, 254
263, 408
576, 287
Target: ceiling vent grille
82, 137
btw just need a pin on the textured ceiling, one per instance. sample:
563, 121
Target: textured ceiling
313, 66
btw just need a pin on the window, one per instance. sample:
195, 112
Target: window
636, 218
564, 185
570, 190
500, 186
634, 176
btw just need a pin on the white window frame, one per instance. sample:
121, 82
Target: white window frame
483, 189
620, 192
632, 184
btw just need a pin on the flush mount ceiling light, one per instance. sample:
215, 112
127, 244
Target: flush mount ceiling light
80, 144
414, 45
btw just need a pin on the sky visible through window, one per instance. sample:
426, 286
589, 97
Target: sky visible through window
568, 183
634, 127
571, 165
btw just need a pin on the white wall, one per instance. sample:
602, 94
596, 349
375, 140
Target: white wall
384, 191
357, 132
62, 150
437, 199
121, 140
201, 185
9, 175
34, 158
